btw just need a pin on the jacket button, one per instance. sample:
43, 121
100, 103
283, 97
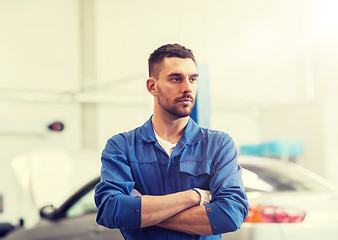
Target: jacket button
209, 209
214, 227
137, 211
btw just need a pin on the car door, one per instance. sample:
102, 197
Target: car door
78, 223
77, 228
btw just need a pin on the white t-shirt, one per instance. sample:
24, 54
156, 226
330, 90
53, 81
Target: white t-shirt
166, 145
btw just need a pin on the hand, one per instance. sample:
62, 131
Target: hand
205, 195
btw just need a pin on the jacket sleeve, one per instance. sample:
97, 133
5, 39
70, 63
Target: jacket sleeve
229, 206
116, 207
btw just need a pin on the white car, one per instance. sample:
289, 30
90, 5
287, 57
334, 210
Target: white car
287, 202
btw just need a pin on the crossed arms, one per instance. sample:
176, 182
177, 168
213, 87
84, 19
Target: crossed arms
178, 211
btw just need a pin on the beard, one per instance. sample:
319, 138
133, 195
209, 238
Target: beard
175, 108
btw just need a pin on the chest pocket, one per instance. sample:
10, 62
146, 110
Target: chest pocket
195, 168
195, 174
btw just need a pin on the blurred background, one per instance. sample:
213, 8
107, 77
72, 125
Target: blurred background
271, 74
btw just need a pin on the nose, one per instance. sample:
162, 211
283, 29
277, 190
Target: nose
187, 85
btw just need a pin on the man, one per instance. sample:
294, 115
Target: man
157, 179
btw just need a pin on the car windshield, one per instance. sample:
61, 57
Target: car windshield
83, 206
271, 178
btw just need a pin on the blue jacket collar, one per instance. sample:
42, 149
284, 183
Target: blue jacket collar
192, 132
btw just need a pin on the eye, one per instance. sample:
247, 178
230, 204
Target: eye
193, 79
175, 79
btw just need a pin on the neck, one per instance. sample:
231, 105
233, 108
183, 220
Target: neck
169, 128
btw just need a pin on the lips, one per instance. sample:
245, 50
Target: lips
185, 100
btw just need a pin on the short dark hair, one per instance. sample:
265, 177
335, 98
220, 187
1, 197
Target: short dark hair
168, 50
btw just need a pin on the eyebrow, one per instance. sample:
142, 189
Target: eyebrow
179, 75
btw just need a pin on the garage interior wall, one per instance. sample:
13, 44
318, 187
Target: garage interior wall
272, 67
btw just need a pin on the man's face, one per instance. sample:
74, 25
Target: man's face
177, 86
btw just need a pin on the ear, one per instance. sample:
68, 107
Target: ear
151, 86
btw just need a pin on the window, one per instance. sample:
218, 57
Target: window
83, 206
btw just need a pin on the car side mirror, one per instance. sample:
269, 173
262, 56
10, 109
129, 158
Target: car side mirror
49, 212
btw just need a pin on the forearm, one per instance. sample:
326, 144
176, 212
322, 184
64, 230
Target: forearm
155, 209
193, 221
